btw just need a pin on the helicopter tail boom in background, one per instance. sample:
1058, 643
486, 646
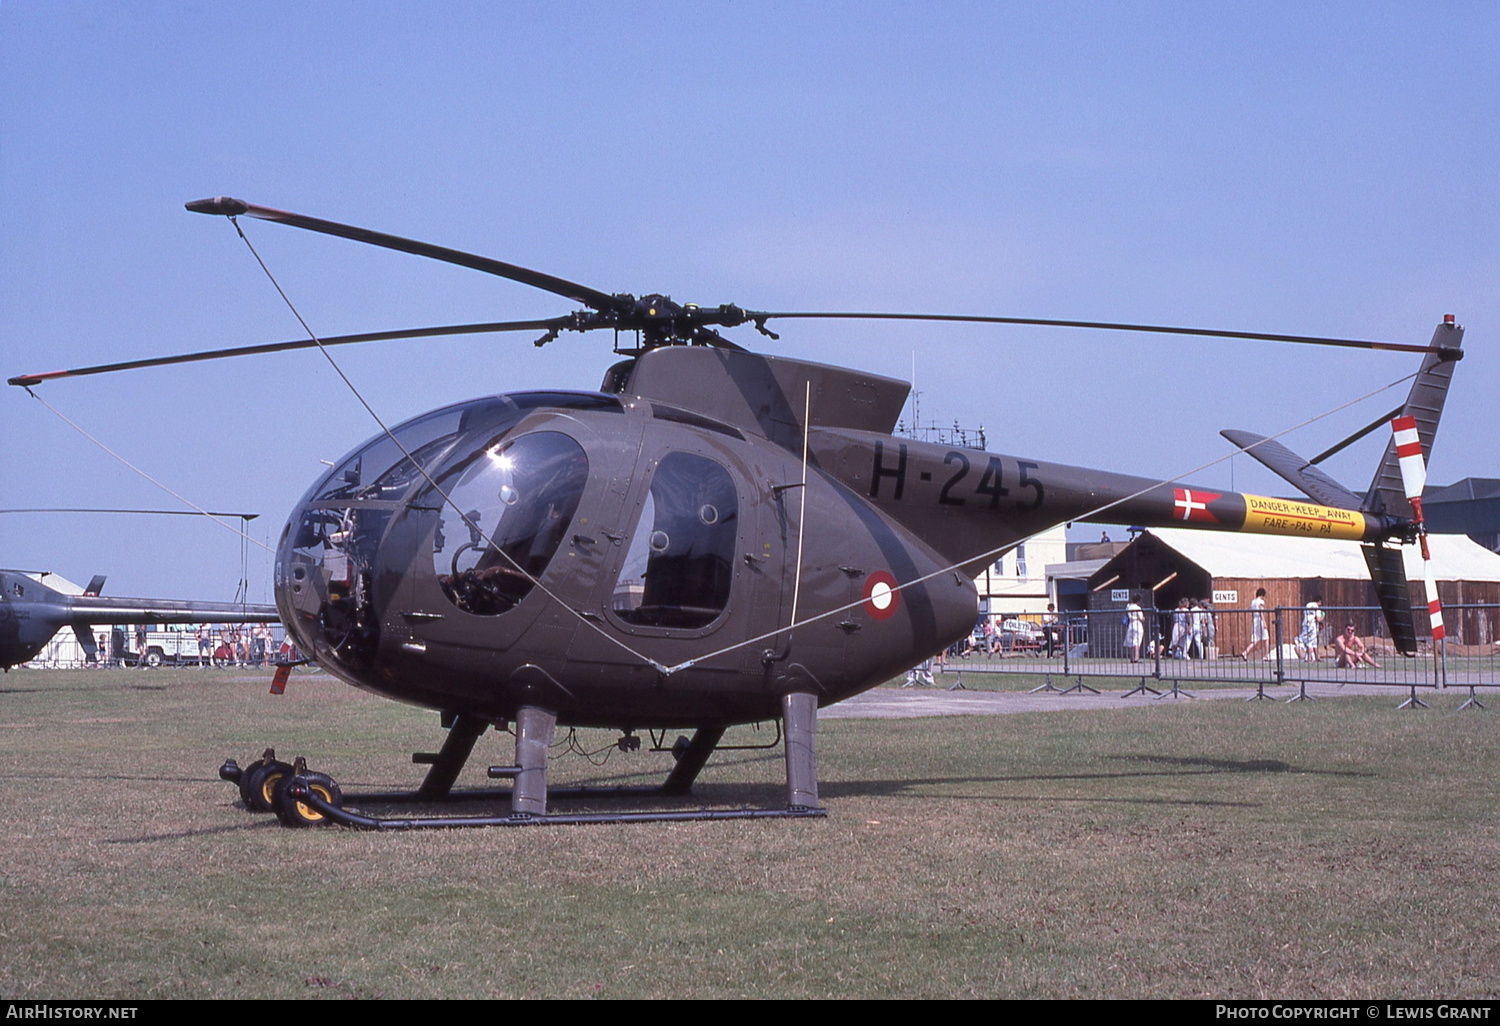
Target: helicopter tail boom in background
31, 613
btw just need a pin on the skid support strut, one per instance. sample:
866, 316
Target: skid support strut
799, 714
534, 730
449, 762
680, 780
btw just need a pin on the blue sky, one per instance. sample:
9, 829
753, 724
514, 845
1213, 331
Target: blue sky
1308, 168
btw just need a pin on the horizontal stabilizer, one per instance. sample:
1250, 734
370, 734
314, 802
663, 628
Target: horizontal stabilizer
1388, 574
1295, 470
86, 641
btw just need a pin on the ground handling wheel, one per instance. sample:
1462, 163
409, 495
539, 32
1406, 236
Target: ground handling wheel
258, 781
296, 813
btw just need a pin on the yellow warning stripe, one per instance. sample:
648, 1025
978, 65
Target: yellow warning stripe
1281, 516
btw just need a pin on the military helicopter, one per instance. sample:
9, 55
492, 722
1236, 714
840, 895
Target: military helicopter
713, 537
31, 613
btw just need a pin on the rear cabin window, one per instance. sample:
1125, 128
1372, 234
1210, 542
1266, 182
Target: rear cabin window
680, 563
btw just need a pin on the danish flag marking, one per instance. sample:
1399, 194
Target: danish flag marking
1194, 505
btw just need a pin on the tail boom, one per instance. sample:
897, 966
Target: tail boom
1175, 505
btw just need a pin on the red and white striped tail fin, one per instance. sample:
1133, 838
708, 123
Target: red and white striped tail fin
1413, 480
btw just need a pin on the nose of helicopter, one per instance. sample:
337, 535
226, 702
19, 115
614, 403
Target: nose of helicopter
325, 582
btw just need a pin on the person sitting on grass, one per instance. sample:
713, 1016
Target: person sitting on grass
1351, 650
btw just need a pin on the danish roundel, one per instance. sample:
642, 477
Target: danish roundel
881, 596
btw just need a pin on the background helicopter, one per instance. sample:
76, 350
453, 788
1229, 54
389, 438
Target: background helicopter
31, 613
714, 537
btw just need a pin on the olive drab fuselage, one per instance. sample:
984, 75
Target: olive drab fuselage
630, 557
670, 537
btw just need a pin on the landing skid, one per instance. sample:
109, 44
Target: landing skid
303, 799
347, 817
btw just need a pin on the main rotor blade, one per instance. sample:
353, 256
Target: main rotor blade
230, 207
146, 512
553, 323
1351, 343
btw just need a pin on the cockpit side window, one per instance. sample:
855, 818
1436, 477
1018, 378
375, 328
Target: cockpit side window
511, 505
680, 564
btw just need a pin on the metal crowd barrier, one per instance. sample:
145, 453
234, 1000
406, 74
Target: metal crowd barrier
1225, 646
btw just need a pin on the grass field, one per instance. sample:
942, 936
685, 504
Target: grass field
1203, 849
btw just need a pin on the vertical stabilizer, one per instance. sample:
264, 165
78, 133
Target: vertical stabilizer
1424, 404
1392, 495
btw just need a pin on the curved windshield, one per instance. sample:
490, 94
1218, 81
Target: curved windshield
379, 470
509, 508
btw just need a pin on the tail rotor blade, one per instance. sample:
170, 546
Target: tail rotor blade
1434, 607
1409, 454
1413, 480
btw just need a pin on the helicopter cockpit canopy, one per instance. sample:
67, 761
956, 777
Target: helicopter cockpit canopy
495, 504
